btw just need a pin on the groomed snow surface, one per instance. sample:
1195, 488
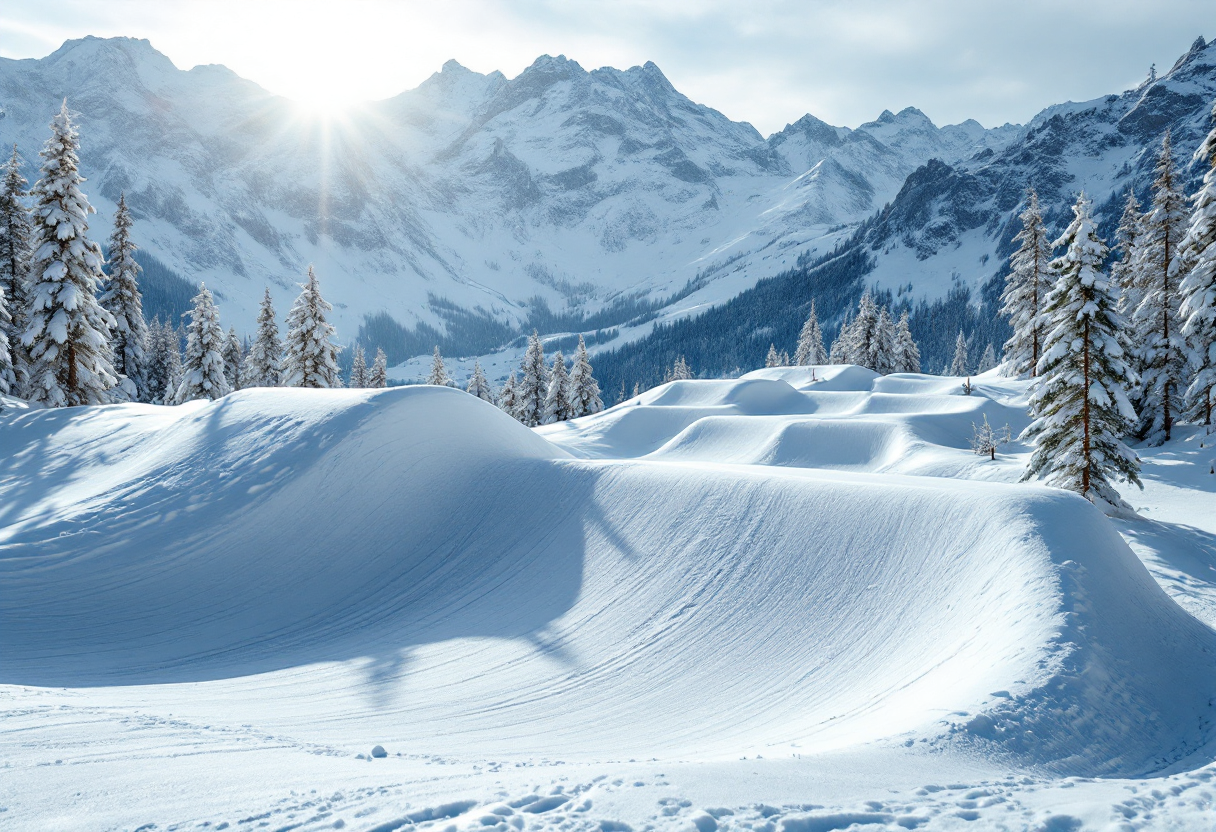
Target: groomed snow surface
790, 602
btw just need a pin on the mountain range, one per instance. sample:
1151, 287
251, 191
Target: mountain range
475, 207
558, 195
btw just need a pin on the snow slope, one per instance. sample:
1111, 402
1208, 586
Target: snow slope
221, 602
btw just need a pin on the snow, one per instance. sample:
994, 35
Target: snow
791, 601
577, 187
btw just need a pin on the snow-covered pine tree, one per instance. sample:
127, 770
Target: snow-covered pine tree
155, 368
8, 378
439, 373
810, 342
1079, 404
1198, 288
478, 385
882, 345
986, 439
122, 299
1159, 327
377, 379
1122, 271
1125, 278
16, 256
533, 385
1028, 282
987, 360
680, 371
234, 360
839, 352
584, 389
907, 354
264, 364
358, 369
67, 334
203, 375
507, 400
173, 359
861, 340
958, 365
311, 358
557, 397
772, 359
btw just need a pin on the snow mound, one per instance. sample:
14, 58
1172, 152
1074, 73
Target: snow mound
413, 569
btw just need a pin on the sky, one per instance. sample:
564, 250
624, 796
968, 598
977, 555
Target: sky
763, 61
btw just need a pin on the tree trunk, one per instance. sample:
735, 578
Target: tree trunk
73, 378
1085, 416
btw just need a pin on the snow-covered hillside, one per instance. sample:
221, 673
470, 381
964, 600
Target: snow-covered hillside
952, 225
474, 192
789, 598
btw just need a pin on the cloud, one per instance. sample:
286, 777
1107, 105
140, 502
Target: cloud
767, 61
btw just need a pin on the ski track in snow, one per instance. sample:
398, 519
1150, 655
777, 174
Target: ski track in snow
779, 603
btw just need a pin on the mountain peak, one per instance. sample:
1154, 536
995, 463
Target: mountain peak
557, 68
1197, 48
140, 49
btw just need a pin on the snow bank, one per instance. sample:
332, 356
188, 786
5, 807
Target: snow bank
411, 568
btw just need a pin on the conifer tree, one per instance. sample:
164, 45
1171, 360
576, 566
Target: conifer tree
378, 377
1079, 404
533, 385
8, 378
234, 360
1028, 282
958, 365
882, 345
907, 354
264, 364
173, 361
679, 371
16, 257
810, 342
358, 369
987, 360
584, 389
1163, 348
507, 401
1125, 278
67, 334
439, 373
861, 343
478, 385
203, 375
986, 439
122, 299
1123, 271
557, 397
839, 352
311, 358
1198, 288
157, 364
772, 359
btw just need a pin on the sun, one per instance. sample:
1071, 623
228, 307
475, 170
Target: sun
322, 104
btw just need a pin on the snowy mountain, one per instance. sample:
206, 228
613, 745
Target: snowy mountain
941, 247
474, 204
952, 225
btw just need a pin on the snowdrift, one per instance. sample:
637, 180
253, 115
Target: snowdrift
411, 567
